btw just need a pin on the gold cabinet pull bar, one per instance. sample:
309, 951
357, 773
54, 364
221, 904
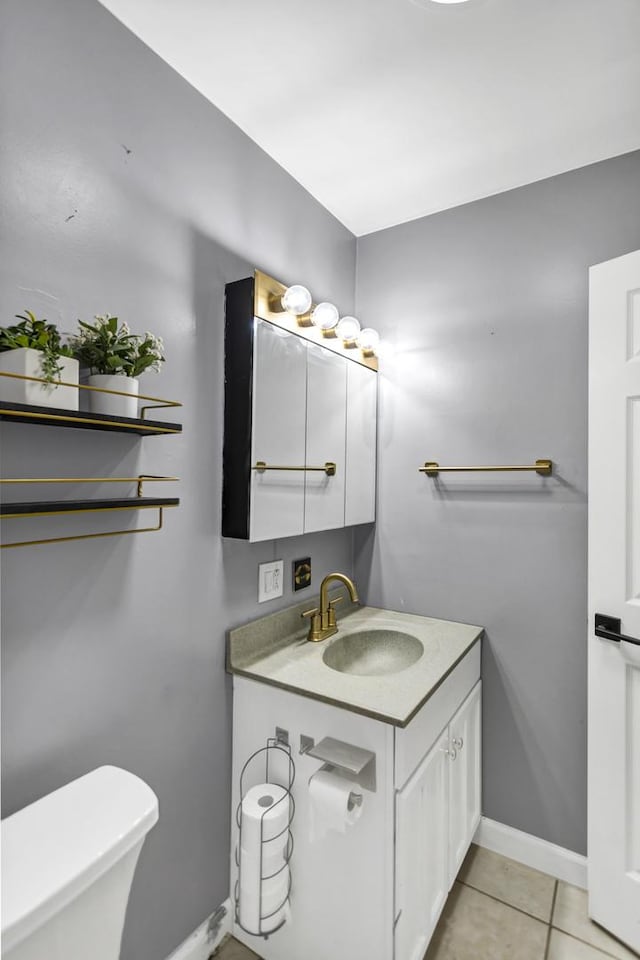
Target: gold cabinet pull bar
329, 468
542, 467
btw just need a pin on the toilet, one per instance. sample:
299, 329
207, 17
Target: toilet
67, 865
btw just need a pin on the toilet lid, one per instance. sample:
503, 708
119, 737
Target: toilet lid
55, 848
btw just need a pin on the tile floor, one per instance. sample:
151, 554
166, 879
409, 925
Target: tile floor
501, 910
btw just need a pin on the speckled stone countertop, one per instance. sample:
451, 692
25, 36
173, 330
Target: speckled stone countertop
274, 650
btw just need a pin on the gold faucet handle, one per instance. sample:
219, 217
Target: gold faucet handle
332, 613
315, 626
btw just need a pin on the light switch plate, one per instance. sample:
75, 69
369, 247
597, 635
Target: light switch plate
270, 580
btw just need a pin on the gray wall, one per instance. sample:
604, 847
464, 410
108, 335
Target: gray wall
487, 307
124, 190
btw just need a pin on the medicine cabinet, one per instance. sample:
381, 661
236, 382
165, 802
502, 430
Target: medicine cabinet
299, 423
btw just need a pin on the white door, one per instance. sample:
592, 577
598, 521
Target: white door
464, 779
421, 852
326, 431
279, 415
614, 592
362, 392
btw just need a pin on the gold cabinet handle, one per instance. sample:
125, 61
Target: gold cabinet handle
329, 468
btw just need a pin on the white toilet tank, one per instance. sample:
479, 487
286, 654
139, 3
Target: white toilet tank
67, 865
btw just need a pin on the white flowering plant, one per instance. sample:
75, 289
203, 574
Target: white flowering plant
108, 346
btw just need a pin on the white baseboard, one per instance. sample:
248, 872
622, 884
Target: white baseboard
533, 852
203, 941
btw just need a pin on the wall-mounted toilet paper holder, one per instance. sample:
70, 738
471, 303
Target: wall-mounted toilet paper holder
351, 761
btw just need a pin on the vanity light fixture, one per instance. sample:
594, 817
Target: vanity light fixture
368, 340
297, 300
348, 329
325, 316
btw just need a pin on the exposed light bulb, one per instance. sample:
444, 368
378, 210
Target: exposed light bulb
325, 316
368, 340
296, 300
348, 329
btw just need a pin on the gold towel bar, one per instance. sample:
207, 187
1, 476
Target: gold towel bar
89, 536
542, 467
329, 468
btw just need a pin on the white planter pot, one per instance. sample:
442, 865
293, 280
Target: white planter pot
27, 362
109, 403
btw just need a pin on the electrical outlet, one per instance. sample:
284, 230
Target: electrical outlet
301, 573
270, 580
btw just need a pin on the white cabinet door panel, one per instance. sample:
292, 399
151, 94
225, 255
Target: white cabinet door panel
279, 402
421, 853
360, 497
326, 431
464, 779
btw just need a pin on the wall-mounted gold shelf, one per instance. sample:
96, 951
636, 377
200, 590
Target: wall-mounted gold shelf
542, 467
62, 417
40, 508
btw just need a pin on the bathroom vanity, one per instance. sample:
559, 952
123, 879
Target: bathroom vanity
376, 890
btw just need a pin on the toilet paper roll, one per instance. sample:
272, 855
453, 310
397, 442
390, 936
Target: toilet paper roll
329, 801
265, 815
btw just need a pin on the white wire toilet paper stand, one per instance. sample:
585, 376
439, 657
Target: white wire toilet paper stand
268, 754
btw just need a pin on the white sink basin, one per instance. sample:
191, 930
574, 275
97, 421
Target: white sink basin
372, 653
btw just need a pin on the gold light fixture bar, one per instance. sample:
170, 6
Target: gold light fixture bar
543, 467
329, 468
268, 306
155, 404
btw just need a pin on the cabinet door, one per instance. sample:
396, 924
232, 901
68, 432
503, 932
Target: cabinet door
326, 432
279, 419
422, 877
360, 498
464, 779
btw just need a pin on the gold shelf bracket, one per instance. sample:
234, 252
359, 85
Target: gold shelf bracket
543, 468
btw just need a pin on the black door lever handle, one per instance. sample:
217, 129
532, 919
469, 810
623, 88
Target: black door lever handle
609, 629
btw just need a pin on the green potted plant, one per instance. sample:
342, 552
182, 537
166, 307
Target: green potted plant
34, 348
115, 358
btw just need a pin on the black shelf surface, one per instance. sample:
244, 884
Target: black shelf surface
82, 419
41, 507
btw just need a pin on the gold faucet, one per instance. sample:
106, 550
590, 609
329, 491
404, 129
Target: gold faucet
323, 619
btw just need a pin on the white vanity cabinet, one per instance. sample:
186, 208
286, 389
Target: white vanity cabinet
376, 891
422, 870
464, 779
438, 783
299, 427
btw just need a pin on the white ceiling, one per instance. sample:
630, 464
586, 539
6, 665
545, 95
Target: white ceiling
387, 110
